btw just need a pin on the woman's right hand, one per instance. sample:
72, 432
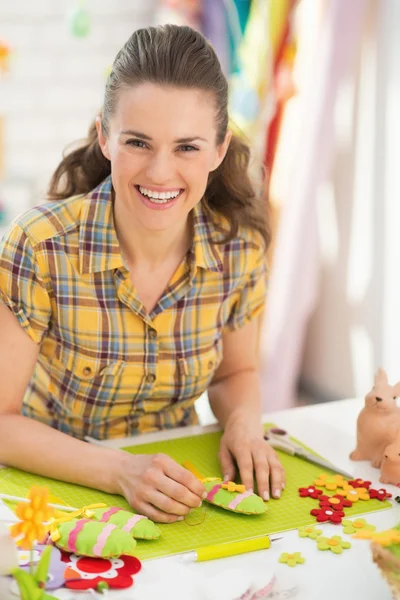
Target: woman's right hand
158, 487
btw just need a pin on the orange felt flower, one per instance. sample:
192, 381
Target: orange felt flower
32, 515
330, 482
231, 486
354, 494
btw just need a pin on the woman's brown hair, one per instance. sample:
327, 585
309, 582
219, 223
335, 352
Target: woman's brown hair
181, 57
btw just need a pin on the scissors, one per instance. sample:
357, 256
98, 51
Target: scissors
280, 440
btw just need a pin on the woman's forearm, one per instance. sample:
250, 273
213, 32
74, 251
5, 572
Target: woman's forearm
32, 446
237, 396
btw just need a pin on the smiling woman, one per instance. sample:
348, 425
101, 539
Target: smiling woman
139, 286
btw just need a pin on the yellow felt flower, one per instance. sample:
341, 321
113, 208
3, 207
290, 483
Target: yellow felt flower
291, 559
354, 494
356, 526
32, 516
386, 538
331, 482
335, 544
231, 486
309, 531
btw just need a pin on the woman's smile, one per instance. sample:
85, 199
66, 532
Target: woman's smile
158, 198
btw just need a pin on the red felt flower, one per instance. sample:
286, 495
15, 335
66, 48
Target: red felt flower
324, 515
84, 573
335, 502
381, 494
356, 483
310, 492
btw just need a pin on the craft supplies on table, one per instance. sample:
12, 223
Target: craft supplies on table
207, 525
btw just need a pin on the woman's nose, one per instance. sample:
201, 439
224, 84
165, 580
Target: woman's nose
160, 168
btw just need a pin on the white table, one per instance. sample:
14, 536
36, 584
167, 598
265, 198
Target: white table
330, 430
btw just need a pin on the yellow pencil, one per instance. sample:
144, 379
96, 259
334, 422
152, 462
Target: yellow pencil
228, 549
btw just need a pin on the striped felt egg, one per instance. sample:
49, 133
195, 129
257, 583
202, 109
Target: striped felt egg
244, 502
87, 537
138, 526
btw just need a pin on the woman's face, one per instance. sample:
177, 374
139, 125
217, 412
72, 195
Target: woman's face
162, 147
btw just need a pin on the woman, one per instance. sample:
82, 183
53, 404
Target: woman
138, 286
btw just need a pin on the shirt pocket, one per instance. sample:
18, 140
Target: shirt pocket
196, 372
83, 385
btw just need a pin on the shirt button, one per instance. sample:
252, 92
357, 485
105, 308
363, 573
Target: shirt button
152, 334
210, 365
150, 378
87, 371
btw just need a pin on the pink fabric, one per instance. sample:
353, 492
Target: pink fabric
237, 500
107, 515
213, 491
293, 286
102, 539
73, 535
132, 522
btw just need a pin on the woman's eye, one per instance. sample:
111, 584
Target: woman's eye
136, 143
187, 148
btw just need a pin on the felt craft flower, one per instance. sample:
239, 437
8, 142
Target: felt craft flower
383, 538
291, 559
84, 573
351, 527
323, 515
356, 483
32, 516
380, 494
309, 531
231, 486
354, 494
335, 502
330, 482
310, 492
335, 544
55, 575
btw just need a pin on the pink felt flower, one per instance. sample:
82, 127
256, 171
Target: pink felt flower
325, 515
84, 573
381, 494
335, 502
310, 492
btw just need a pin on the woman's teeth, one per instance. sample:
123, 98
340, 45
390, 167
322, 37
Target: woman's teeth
158, 197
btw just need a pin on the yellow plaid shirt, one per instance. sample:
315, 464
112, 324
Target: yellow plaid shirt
106, 368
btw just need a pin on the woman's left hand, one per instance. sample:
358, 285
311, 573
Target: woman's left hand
243, 443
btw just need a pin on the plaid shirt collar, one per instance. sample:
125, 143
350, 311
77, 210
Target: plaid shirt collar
99, 249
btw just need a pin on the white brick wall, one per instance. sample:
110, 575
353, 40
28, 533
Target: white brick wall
56, 83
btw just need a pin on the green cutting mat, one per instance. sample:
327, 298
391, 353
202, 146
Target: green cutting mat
215, 525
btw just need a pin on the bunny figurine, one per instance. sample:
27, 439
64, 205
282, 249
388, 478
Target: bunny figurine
378, 421
390, 470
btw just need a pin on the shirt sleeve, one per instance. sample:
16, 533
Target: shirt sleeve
250, 299
21, 286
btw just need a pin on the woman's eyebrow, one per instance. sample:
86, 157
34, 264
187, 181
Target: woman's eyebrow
143, 136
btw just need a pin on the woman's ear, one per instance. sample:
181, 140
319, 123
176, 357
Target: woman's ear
222, 149
103, 141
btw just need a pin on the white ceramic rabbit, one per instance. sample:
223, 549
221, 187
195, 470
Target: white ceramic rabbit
378, 421
390, 469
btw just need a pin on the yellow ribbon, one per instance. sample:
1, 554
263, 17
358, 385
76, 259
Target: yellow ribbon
86, 512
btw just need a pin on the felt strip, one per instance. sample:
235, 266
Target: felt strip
132, 522
102, 539
213, 491
237, 500
109, 513
73, 534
